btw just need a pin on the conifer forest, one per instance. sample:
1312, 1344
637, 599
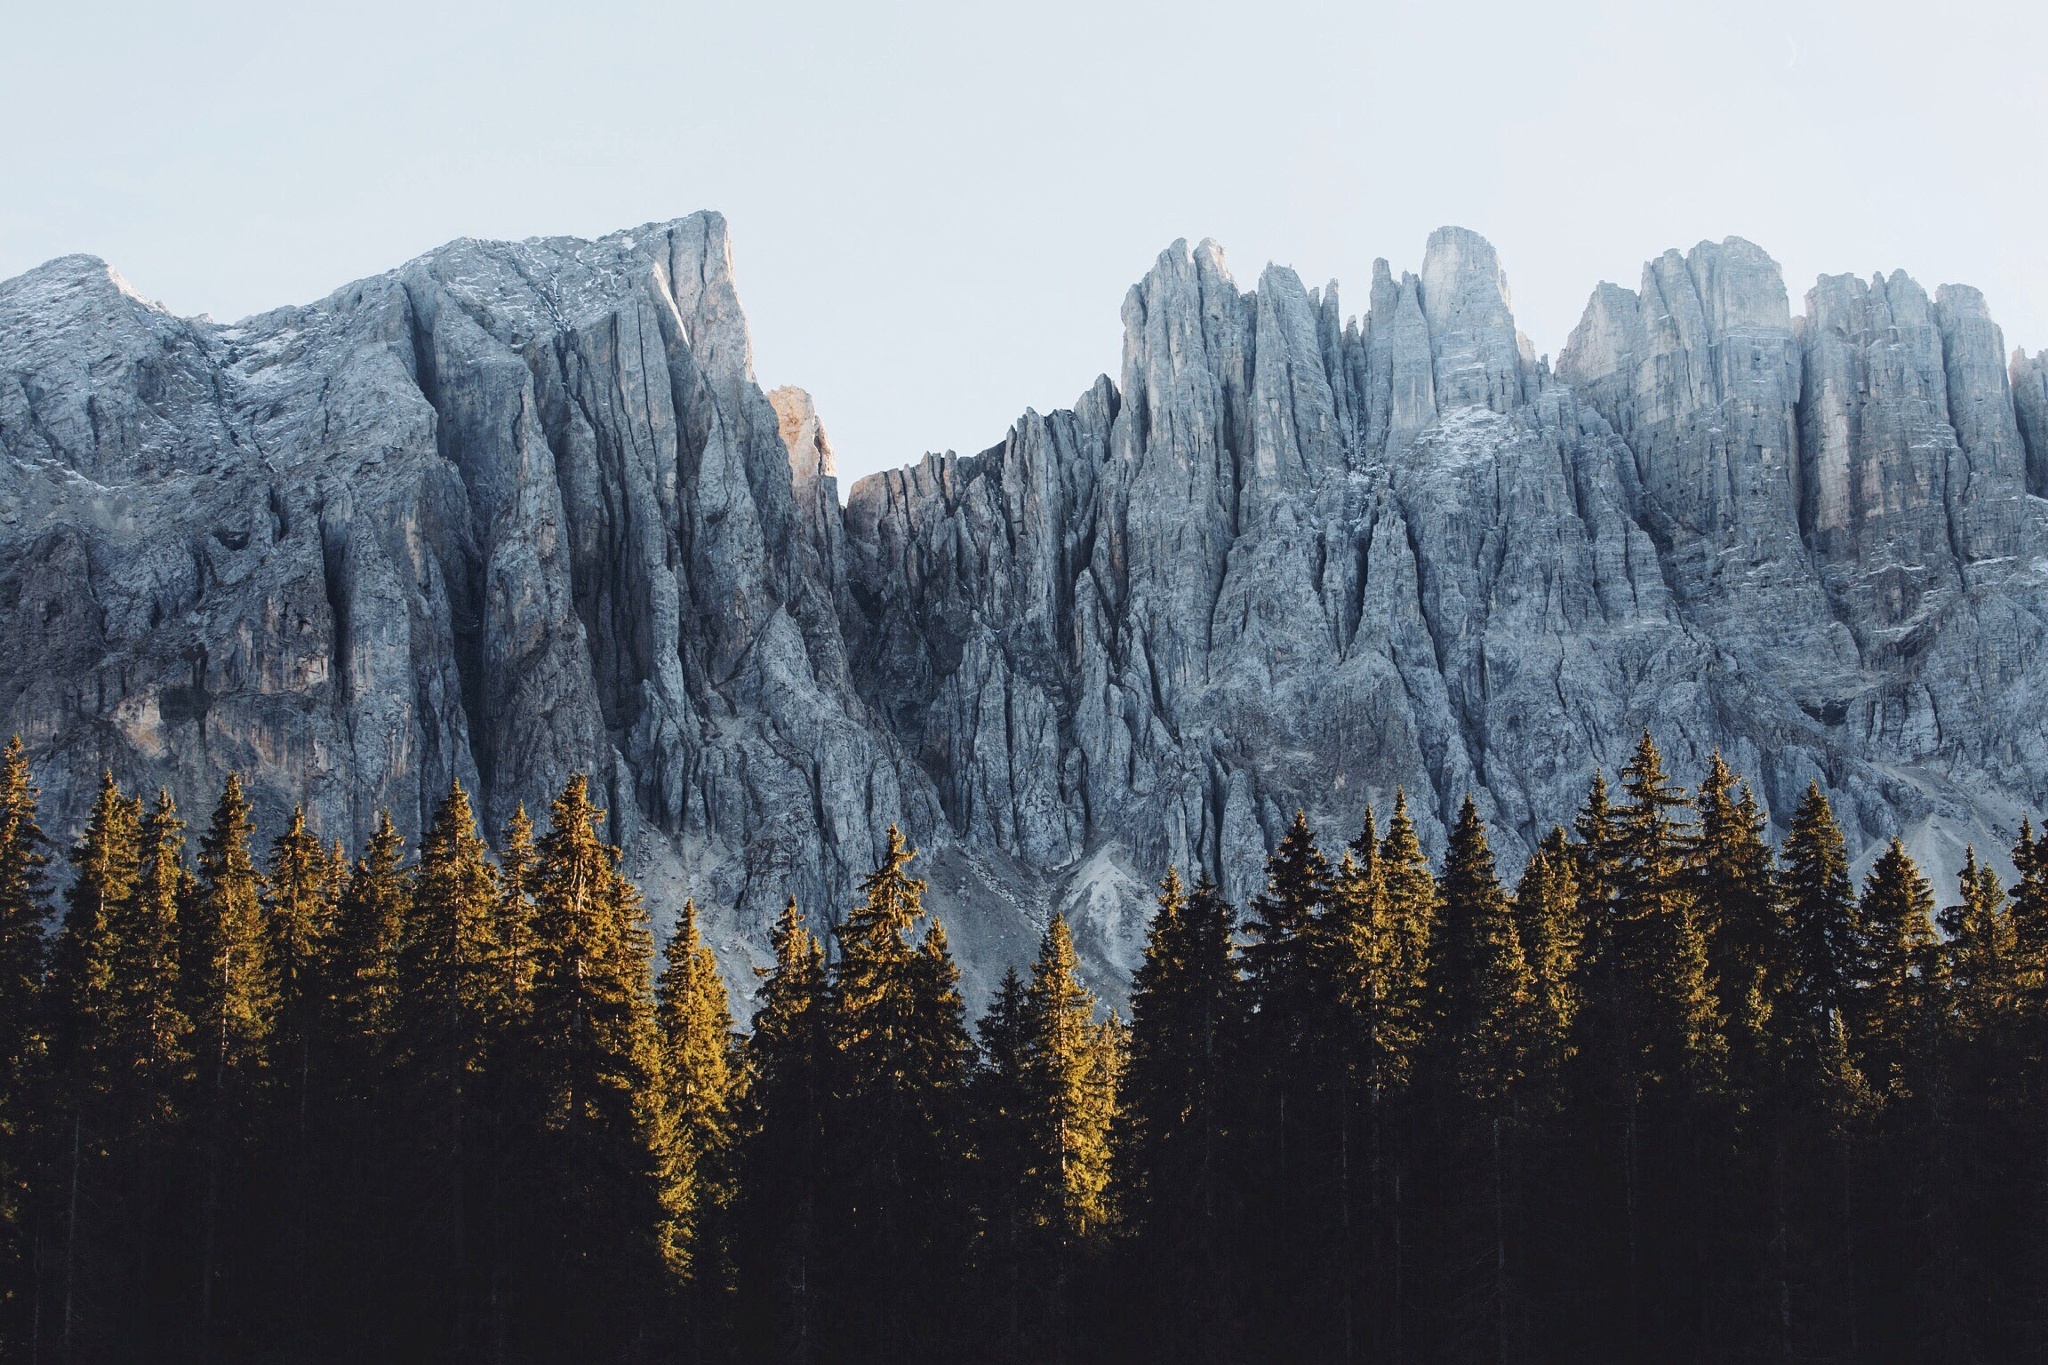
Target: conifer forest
1669, 1093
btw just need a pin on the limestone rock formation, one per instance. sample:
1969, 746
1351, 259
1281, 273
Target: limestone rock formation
517, 510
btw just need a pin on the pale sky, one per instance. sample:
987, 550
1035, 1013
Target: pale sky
936, 208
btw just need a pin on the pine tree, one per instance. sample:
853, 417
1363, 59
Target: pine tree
2027, 1158
597, 1278
231, 994
1980, 949
24, 906
81, 1175
1280, 961
1176, 1150
1292, 1116
1480, 993
1821, 906
898, 1053
1743, 919
518, 865
446, 1004
359, 1144
375, 903
1071, 1073
781, 1151
1392, 1032
1404, 927
1651, 1058
1480, 986
1547, 921
1000, 1108
301, 903
698, 1085
1895, 958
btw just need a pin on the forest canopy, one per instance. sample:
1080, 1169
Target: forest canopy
1673, 1094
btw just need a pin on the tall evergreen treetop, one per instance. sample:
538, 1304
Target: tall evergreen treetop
1896, 969
1548, 922
698, 1085
375, 903
1480, 985
1741, 913
85, 961
593, 992
1404, 927
1280, 960
160, 1039
230, 971
1071, 1071
591, 1085
303, 895
1980, 949
1821, 906
24, 908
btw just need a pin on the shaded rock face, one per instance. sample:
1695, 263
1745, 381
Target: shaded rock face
518, 510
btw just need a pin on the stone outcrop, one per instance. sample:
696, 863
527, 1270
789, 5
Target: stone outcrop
515, 510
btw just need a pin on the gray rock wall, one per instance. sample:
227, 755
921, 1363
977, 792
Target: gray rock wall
517, 510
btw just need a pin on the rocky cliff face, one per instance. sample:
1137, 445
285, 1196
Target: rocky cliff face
515, 510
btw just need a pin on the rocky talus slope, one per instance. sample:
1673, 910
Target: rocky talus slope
517, 510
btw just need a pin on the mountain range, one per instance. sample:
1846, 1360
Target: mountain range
517, 510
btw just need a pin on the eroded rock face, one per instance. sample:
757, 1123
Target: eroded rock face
517, 510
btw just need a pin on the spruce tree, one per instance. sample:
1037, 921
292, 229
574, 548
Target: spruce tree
1000, 1109
1480, 986
1547, 921
1071, 1073
82, 1112
1651, 1058
1292, 1116
158, 1045
1743, 919
1895, 966
597, 1277
1280, 960
781, 1151
365, 1129
159, 1030
79, 990
375, 902
518, 868
446, 1006
699, 1098
1821, 906
24, 906
1392, 1034
1176, 1150
301, 903
1979, 945
1905, 1211
1480, 994
894, 1233
2027, 1160
1404, 927
231, 992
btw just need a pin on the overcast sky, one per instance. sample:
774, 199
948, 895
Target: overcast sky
937, 208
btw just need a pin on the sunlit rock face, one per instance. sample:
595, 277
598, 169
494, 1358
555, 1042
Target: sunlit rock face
518, 510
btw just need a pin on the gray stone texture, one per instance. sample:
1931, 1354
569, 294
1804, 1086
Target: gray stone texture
517, 510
